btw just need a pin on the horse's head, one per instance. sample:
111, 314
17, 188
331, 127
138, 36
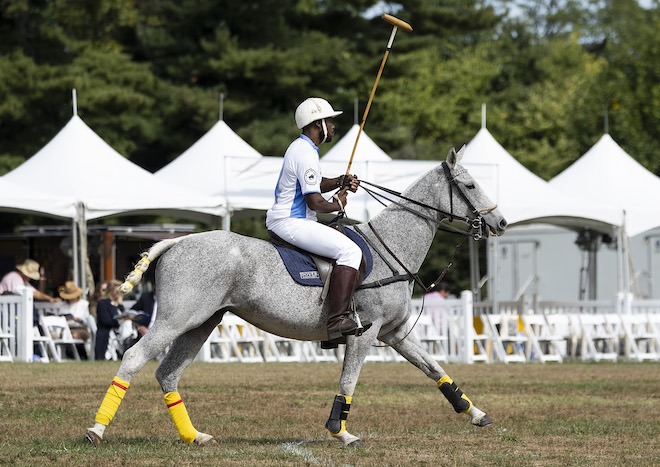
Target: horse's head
468, 200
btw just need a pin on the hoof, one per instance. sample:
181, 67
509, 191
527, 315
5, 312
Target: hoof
348, 439
92, 438
483, 421
203, 439
358, 443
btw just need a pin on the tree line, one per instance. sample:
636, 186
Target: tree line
149, 74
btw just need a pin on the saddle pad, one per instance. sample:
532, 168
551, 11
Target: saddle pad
302, 268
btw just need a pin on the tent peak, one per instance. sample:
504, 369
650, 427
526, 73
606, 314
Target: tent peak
74, 98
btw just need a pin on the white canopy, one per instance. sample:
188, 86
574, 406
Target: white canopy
78, 163
525, 198
606, 173
213, 165
366, 149
17, 198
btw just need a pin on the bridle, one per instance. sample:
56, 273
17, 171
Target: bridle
477, 224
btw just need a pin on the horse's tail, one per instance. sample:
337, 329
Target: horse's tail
135, 276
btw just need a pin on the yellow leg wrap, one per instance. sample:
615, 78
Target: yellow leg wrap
111, 401
180, 416
336, 424
454, 395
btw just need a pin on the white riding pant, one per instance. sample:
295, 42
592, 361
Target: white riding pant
319, 239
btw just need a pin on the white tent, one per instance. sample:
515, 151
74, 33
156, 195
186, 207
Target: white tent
213, 166
525, 198
366, 149
77, 163
17, 198
607, 174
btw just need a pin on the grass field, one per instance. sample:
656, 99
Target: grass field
273, 414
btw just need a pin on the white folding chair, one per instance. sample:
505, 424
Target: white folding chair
59, 331
5, 345
641, 342
429, 336
508, 344
221, 348
45, 344
282, 349
599, 340
245, 339
545, 344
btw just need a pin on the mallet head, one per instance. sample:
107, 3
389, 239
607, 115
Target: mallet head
397, 22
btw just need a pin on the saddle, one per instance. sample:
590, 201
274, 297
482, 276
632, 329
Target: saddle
308, 269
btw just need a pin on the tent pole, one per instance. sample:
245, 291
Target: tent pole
75, 252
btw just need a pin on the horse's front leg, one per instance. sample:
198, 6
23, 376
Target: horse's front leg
410, 348
357, 349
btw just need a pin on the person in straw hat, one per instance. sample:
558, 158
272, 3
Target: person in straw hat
15, 281
77, 313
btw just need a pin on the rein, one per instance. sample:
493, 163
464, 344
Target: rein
477, 228
477, 223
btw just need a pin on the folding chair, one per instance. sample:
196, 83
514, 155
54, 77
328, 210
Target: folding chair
429, 336
58, 329
599, 340
245, 339
220, 346
545, 344
45, 344
6, 338
563, 326
282, 349
508, 344
641, 343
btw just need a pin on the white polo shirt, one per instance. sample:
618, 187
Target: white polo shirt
300, 175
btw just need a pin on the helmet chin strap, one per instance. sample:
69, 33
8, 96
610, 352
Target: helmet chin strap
325, 131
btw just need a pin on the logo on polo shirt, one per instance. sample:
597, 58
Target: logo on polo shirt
311, 177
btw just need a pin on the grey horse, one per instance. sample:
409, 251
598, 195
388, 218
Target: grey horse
202, 276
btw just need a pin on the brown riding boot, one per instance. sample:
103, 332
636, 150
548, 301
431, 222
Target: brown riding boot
343, 281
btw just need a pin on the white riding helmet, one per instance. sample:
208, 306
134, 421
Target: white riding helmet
312, 109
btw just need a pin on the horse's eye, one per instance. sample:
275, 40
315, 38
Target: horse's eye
469, 186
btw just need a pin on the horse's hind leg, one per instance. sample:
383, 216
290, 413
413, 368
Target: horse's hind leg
410, 348
132, 362
181, 354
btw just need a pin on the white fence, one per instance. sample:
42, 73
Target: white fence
456, 330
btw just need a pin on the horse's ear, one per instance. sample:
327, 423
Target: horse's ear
452, 158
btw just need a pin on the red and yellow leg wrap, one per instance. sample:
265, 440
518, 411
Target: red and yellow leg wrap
336, 424
180, 416
454, 395
111, 401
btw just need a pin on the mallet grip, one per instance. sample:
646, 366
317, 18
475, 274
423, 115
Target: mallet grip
397, 22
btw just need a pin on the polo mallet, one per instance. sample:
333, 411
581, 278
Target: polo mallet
396, 24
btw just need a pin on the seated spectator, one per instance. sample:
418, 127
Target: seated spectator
144, 317
77, 313
107, 311
15, 281
100, 292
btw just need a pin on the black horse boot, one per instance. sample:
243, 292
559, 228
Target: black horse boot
343, 281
